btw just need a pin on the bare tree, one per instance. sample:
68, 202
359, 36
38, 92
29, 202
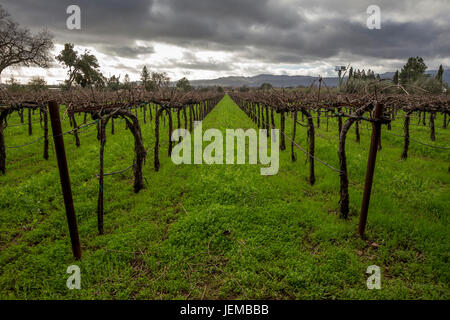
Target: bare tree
160, 79
19, 47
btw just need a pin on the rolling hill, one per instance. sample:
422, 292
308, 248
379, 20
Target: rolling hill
283, 81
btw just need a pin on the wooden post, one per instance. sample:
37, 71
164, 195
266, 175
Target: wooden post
64, 177
258, 114
379, 144
339, 119
145, 109
2, 144
150, 113
159, 111
179, 122
30, 127
318, 118
45, 134
191, 115
164, 119
311, 145
282, 142
358, 139
169, 151
376, 134
391, 116
100, 209
263, 126
344, 200
272, 119
185, 118
293, 137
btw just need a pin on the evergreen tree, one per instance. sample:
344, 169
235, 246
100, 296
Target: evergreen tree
395, 79
440, 74
350, 73
145, 78
113, 83
126, 82
183, 84
412, 70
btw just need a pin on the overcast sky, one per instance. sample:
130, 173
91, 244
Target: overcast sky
203, 39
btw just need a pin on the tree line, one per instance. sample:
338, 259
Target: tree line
412, 76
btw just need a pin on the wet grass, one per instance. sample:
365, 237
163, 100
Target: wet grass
225, 231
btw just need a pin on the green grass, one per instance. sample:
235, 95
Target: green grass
225, 231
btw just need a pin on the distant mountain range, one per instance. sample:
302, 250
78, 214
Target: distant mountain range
284, 81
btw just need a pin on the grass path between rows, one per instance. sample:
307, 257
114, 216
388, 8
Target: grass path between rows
225, 231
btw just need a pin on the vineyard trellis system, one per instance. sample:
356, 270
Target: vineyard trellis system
378, 109
104, 107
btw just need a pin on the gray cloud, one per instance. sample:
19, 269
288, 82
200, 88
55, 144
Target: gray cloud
271, 31
127, 51
191, 62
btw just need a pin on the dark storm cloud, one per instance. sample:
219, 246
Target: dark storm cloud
263, 30
126, 52
109, 25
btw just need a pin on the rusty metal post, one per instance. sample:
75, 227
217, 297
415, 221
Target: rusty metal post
376, 135
64, 177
